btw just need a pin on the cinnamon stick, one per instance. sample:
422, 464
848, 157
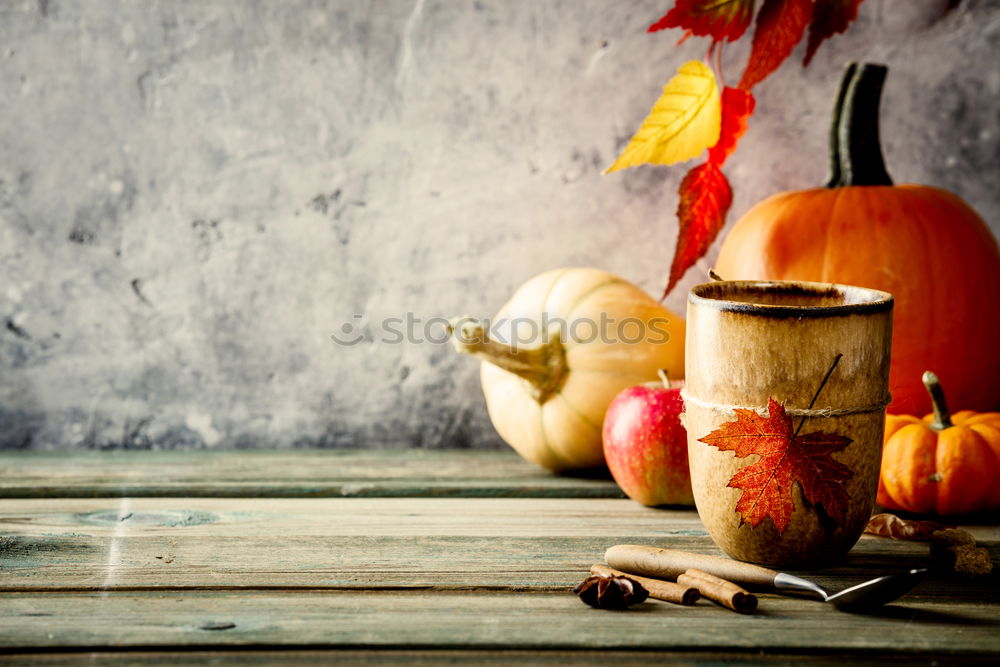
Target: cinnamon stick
719, 590
658, 589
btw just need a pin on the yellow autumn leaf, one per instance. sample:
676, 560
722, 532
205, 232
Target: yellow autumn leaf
685, 121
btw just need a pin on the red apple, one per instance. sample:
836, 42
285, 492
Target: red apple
645, 445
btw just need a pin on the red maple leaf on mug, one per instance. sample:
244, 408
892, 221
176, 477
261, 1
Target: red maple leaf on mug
785, 458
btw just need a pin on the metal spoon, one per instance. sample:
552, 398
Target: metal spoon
668, 564
867, 595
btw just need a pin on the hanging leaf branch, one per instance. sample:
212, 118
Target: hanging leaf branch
692, 116
684, 122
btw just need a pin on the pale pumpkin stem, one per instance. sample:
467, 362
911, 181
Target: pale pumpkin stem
855, 146
942, 418
543, 367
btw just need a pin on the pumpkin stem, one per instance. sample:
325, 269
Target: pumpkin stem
833, 159
855, 148
942, 418
544, 367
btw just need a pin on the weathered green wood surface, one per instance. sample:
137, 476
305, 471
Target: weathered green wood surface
418, 580
412, 657
478, 619
289, 474
91, 544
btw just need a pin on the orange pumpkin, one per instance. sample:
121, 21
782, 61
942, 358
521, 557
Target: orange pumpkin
943, 463
924, 245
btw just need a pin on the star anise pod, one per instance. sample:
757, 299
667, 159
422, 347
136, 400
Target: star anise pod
611, 592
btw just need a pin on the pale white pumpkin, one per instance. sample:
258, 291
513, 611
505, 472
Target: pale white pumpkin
547, 396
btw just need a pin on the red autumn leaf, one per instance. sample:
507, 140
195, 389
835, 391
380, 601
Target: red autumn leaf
784, 458
829, 18
705, 197
737, 105
721, 19
780, 26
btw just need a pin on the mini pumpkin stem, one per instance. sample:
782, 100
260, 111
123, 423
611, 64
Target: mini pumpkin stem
942, 418
855, 147
543, 367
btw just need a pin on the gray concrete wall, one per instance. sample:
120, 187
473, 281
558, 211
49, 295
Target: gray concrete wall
195, 195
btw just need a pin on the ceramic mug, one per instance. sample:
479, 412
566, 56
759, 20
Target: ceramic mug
799, 489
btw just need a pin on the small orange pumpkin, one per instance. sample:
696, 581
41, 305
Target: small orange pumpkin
943, 463
924, 245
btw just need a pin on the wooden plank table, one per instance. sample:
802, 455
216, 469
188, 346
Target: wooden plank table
400, 557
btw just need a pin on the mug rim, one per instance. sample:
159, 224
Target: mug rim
871, 300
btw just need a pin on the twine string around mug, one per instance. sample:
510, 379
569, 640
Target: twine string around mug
791, 412
805, 413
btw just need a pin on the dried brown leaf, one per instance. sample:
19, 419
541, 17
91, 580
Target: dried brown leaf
890, 525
